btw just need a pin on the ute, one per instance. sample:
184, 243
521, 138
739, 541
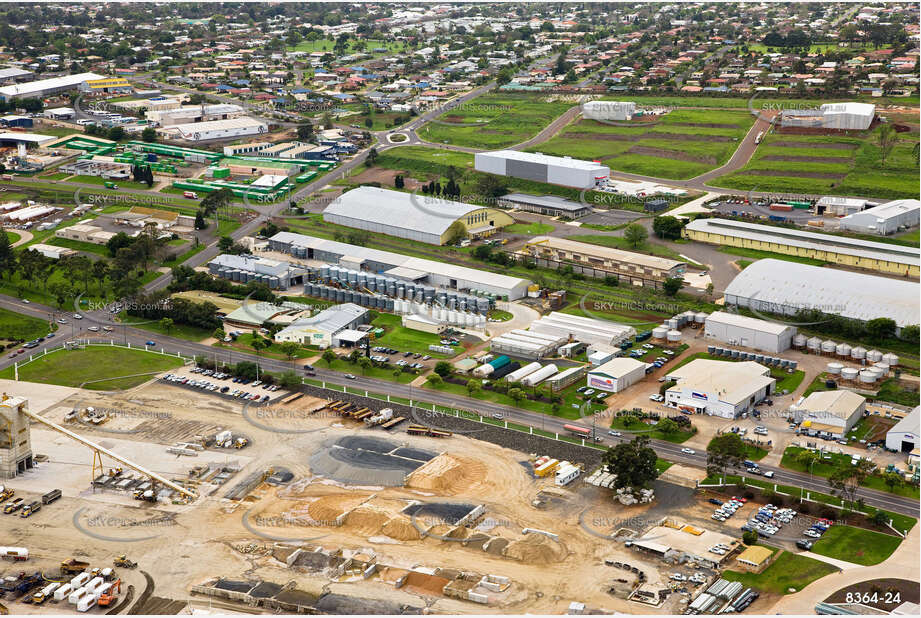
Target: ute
122, 561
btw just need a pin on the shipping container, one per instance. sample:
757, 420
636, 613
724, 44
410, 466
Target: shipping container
781, 207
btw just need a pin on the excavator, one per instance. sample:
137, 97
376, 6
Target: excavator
111, 595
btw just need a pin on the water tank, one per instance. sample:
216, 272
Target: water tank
672, 323
733, 354
868, 376
481, 322
659, 332
710, 349
759, 358
700, 318
793, 364
540, 375
849, 373
843, 350
858, 353
834, 368
891, 359
874, 356
470, 319
829, 346
813, 344
673, 336
883, 368
799, 341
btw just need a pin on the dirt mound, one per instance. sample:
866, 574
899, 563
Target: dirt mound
401, 529
367, 520
535, 549
328, 508
447, 474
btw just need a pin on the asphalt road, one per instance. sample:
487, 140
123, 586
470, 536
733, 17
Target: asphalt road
665, 450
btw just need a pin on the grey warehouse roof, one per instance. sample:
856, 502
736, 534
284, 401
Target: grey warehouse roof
548, 201
421, 213
840, 292
809, 240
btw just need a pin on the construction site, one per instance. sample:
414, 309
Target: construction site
333, 506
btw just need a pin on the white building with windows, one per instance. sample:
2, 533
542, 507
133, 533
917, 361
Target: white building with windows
616, 375
835, 412
746, 332
905, 436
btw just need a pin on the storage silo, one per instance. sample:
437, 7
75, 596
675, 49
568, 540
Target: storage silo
849, 374
470, 319
673, 336
659, 332
482, 304
868, 376
700, 318
672, 323
481, 322
858, 353
799, 341
828, 347
834, 368
891, 359
874, 356
843, 350
390, 304
813, 344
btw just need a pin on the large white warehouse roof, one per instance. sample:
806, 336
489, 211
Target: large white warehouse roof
786, 287
30, 88
537, 157
420, 213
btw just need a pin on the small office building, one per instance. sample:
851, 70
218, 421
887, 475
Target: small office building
719, 388
616, 375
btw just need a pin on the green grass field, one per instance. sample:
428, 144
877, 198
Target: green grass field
647, 430
529, 228
381, 373
499, 119
12, 236
98, 367
789, 572
852, 165
17, 326
398, 337
679, 145
856, 545
825, 468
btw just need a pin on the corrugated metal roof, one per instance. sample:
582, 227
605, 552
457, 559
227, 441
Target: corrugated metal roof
548, 201
743, 321
20, 90
419, 213
839, 292
538, 157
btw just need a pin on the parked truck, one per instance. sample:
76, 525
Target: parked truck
122, 561
30, 509
6, 493
73, 566
12, 507
51, 496
16, 554
45, 593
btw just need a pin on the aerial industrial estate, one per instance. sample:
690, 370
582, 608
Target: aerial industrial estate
459, 308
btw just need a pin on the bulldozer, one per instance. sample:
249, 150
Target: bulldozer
122, 561
106, 599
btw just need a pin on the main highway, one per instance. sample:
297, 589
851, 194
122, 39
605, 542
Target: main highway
122, 334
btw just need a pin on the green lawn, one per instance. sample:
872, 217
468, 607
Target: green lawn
381, 373
109, 364
529, 228
788, 571
180, 331
498, 120
12, 236
79, 245
641, 429
398, 337
96, 180
244, 343
17, 326
825, 468
787, 381
856, 545
757, 254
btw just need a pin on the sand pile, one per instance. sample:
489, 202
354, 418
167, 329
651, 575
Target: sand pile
367, 520
401, 528
328, 508
535, 549
447, 473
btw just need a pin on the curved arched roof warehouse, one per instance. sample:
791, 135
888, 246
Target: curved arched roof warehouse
778, 286
418, 217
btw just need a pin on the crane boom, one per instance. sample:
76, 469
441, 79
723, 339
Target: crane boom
67, 432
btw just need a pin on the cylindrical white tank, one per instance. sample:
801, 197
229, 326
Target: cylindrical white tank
659, 332
883, 368
868, 376
813, 344
848, 373
672, 323
891, 359
673, 336
540, 375
518, 374
481, 322
471, 319
829, 346
834, 368
858, 353
843, 350
799, 341
874, 356
700, 318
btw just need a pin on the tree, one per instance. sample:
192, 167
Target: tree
893, 480
364, 363
372, 156
167, 324
456, 232
724, 451
305, 132
329, 357
847, 479
289, 380
434, 379
7, 256
516, 394
633, 462
881, 328
62, 292
668, 227
225, 243
258, 344
219, 334
635, 234
885, 141
671, 285
750, 537
200, 222
443, 368
473, 386
149, 135
880, 518
290, 348
667, 426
